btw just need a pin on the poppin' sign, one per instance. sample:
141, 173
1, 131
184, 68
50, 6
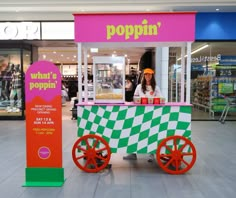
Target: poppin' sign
135, 27
133, 31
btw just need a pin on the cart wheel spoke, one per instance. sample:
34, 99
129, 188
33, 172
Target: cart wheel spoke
100, 150
80, 157
80, 148
177, 165
169, 162
166, 156
183, 146
94, 163
87, 144
167, 147
187, 154
87, 163
95, 144
100, 157
186, 163
177, 157
92, 160
175, 145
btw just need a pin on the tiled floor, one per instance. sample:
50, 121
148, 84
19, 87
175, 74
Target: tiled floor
213, 175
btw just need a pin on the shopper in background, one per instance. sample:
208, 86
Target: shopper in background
147, 88
129, 89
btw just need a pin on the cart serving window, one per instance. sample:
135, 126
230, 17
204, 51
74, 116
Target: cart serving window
108, 124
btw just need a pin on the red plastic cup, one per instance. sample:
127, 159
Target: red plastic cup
156, 100
144, 100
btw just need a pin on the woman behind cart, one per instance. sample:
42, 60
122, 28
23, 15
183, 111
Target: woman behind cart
147, 88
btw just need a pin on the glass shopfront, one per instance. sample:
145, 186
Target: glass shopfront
213, 80
14, 62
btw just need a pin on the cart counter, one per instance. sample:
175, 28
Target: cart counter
134, 128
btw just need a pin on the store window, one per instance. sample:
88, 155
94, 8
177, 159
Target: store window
213, 79
13, 64
213, 74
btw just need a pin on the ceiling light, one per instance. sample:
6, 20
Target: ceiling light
44, 56
195, 51
62, 55
217, 9
95, 50
54, 52
201, 48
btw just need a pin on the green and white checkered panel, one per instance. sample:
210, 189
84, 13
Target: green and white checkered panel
134, 129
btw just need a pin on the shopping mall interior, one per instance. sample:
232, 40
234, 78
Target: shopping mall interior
131, 150
207, 57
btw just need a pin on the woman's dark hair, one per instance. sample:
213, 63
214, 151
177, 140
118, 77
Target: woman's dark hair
128, 78
143, 84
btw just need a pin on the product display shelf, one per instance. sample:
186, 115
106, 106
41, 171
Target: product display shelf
201, 93
217, 100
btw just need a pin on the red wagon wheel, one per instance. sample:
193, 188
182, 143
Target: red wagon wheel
176, 154
91, 153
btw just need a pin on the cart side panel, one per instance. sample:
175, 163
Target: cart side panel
134, 129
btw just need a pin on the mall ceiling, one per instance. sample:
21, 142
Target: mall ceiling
73, 6
61, 10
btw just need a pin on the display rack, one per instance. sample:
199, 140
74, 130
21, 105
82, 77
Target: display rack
206, 94
201, 95
221, 87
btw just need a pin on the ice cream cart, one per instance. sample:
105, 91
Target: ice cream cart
108, 124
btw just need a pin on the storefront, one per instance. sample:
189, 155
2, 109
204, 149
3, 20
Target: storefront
14, 58
214, 73
19, 43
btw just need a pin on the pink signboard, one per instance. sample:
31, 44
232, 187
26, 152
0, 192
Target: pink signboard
43, 125
135, 27
43, 115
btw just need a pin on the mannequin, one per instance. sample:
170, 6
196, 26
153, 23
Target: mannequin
8, 79
16, 89
3, 69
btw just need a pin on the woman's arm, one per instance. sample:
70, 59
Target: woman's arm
137, 91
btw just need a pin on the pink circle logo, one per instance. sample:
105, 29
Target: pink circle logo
44, 152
